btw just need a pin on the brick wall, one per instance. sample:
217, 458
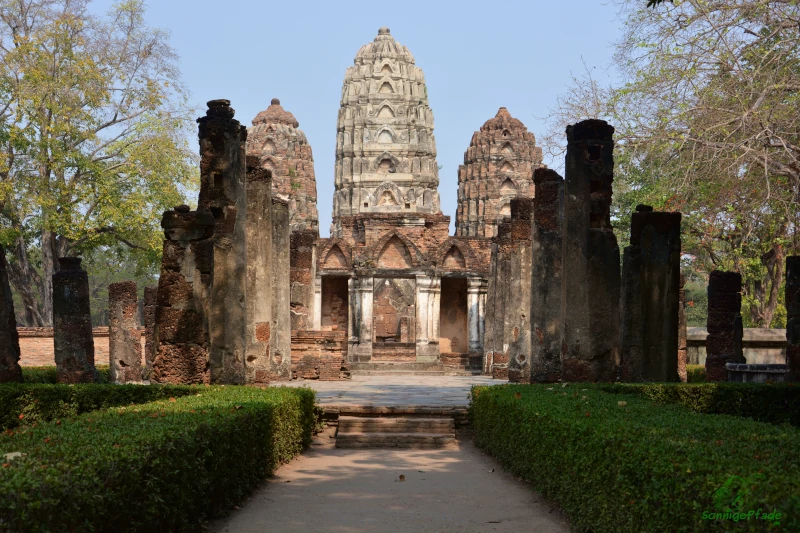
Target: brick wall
319, 355
36, 346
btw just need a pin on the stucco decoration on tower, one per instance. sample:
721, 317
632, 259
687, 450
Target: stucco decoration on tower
385, 148
498, 166
282, 148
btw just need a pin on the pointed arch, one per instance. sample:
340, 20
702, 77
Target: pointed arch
386, 194
386, 69
506, 168
386, 162
395, 255
507, 150
334, 254
335, 259
454, 259
386, 88
386, 111
506, 133
508, 187
385, 136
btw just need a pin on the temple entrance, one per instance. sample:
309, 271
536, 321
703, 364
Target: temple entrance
394, 320
335, 304
453, 331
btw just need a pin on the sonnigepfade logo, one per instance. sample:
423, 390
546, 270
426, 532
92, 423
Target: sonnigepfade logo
732, 502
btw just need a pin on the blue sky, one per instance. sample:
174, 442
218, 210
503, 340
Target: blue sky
477, 57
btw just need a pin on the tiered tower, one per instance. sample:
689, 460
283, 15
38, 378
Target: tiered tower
498, 166
385, 148
284, 150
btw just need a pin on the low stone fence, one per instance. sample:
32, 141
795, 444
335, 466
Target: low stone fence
319, 355
760, 346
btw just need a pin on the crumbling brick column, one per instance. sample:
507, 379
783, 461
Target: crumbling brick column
124, 338
72, 323
793, 317
10, 370
281, 337
303, 262
223, 193
150, 304
259, 271
590, 257
547, 326
181, 333
517, 321
650, 294
683, 352
495, 361
724, 308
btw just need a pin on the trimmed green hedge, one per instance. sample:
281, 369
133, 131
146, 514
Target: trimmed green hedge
639, 466
160, 466
695, 373
47, 374
26, 404
776, 403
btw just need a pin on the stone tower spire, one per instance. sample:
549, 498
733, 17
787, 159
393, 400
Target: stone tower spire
283, 149
498, 166
385, 149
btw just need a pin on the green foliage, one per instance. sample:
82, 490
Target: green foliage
157, 467
696, 302
696, 373
47, 374
774, 403
26, 404
638, 466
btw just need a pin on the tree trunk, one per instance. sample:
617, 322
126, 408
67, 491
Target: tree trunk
49, 267
27, 282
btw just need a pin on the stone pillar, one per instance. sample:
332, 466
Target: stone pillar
547, 326
303, 272
360, 319
150, 304
474, 287
494, 350
650, 293
683, 353
10, 370
181, 334
72, 323
124, 338
429, 291
258, 229
518, 317
281, 339
724, 307
223, 193
591, 267
793, 317
317, 312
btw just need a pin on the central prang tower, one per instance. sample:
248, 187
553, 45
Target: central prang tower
385, 148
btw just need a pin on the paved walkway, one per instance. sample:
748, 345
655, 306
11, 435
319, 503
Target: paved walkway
329, 490
405, 390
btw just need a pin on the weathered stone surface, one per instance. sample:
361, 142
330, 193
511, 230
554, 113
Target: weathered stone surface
591, 281
303, 262
650, 297
149, 315
385, 148
319, 355
223, 193
181, 332
547, 324
259, 270
72, 323
281, 323
283, 149
683, 352
793, 317
498, 166
10, 370
124, 343
724, 308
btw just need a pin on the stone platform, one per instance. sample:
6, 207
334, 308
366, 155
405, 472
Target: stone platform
395, 390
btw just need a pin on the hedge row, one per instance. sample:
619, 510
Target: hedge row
26, 404
637, 466
47, 374
695, 373
160, 466
775, 403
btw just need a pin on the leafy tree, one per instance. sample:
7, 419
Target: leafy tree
707, 124
93, 130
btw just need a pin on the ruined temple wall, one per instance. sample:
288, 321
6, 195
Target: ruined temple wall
303, 271
280, 269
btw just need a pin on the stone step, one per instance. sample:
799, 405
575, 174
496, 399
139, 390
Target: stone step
395, 440
358, 424
397, 366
